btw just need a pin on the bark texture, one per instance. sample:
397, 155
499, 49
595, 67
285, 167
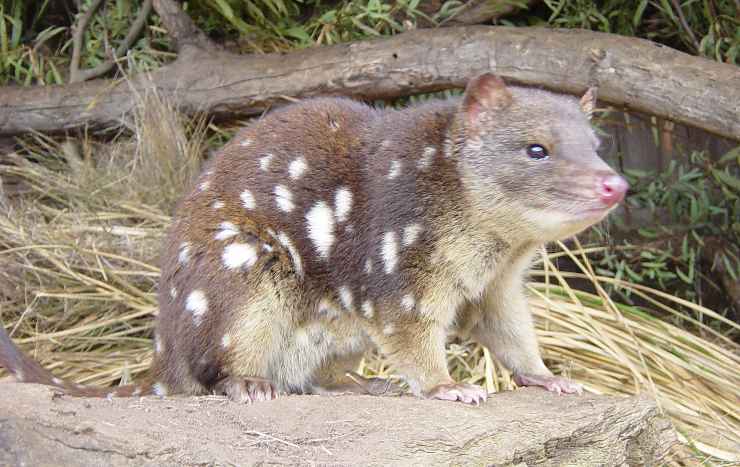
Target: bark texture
633, 73
524, 427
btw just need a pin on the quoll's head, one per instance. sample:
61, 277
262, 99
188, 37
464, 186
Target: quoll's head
528, 157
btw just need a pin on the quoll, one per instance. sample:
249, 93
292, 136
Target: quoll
329, 227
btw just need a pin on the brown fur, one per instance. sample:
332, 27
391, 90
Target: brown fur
446, 214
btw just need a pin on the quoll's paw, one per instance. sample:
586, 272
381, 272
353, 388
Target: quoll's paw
247, 390
467, 393
551, 383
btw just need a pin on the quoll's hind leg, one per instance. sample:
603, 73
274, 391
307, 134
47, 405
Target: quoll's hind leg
339, 376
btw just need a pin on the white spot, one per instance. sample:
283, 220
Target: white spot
408, 302
184, 255
426, 158
197, 304
345, 294
297, 168
272, 233
320, 225
267, 247
218, 204
395, 170
410, 234
368, 266
226, 341
385, 143
173, 293
367, 309
204, 185
325, 308
245, 143
342, 203
57, 381
284, 198
389, 251
297, 264
265, 162
18, 374
248, 199
389, 329
157, 344
237, 255
228, 230
159, 389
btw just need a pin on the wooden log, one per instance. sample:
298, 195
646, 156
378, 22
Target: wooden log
523, 427
633, 73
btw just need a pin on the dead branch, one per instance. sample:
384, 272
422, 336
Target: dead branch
633, 73
180, 27
137, 26
77, 39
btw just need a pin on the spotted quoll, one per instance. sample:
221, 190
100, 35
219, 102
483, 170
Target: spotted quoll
328, 228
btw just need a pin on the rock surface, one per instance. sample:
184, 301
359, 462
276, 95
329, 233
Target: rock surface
523, 427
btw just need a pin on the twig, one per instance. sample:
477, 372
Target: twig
180, 27
685, 25
136, 27
77, 37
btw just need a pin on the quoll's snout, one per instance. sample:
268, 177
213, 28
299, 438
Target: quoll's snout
612, 189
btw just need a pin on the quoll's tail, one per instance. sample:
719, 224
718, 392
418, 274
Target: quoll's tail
26, 370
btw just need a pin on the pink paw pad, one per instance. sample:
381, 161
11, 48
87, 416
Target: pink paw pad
554, 384
466, 393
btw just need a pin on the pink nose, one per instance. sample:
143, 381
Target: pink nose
612, 189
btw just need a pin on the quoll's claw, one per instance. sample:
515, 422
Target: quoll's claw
554, 384
247, 390
467, 393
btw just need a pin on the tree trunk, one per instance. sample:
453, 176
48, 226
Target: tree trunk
630, 72
528, 426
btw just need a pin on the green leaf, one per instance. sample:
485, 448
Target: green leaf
225, 9
298, 33
726, 179
732, 154
637, 18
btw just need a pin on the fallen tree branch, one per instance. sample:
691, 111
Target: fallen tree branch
77, 75
633, 73
523, 427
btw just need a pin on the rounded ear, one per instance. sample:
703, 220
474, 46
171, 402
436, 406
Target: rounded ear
588, 101
485, 92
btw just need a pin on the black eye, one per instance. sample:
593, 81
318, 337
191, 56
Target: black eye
537, 151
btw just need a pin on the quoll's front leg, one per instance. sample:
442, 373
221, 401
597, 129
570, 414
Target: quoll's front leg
246, 389
507, 329
416, 348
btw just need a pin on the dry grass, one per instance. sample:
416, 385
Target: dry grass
78, 249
